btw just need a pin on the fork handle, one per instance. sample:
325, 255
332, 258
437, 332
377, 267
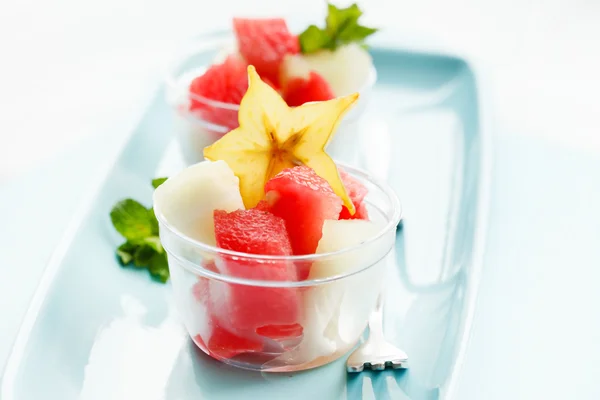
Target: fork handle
376, 320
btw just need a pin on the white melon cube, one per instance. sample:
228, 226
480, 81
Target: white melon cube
346, 69
187, 200
324, 304
338, 235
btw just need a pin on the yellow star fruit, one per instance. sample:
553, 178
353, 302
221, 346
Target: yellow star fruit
273, 136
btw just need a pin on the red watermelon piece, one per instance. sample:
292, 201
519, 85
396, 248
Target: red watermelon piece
361, 212
357, 192
281, 332
246, 309
304, 201
262, 205
224, 344
298, 90
263, 43
226, 83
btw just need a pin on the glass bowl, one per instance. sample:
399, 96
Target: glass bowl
199, 121
237, 316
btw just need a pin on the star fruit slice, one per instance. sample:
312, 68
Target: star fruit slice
272, 137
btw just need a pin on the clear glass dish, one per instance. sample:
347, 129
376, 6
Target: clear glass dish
195, 129
281, 325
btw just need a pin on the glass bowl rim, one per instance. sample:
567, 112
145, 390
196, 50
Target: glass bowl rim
391, 224
210, 41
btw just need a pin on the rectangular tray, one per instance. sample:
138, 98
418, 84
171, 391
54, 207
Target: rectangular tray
96, 331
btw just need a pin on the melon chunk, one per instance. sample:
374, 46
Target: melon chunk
357, 192
340, 298
213, 338
224, 344
335, 313
188, 199
341, 234
346, 69
246, 309
304, 201
264, 42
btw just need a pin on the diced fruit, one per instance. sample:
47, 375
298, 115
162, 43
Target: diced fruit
188, 199
298, 91
220, 342
251, 231
263, 205
280, 332
243, 308
323, 304
346, 69
338, 235
361, 212
357, 192
301, 85
226, 83
273, 136
200, 290
264, 43
293, 66
339, 297
304, 200
224, 344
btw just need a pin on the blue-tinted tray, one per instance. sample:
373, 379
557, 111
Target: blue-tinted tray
96, 331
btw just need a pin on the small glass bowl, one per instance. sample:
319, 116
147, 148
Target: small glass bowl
199, 121
238, 312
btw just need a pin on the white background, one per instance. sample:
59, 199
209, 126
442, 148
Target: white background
68, 66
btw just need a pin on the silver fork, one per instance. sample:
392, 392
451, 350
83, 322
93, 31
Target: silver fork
376, 353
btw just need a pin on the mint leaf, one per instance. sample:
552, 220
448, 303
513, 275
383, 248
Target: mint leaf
132, 220
341, 27
146, 253
125, 252
124, 257
339, 19
154, 242
313, 39
139, 226
153, 221
143, 255
159, 267
139, 251
356, 33
158, 181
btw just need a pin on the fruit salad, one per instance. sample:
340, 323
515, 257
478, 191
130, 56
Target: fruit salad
317, 64
276, 254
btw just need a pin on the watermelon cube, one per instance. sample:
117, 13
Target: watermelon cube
357, 192
224, 344
226, 83
264, 42
219, 342
304, 201
299, 90
245, 309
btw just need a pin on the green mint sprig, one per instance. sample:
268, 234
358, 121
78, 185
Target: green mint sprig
138, 225
341, 27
